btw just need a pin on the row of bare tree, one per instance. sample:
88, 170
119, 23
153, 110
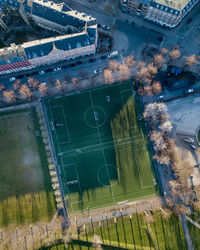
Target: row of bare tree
144, 73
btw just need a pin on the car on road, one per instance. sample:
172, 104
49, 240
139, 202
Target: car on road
187, 139
160, 98
105, 27
72, 65
12, 79
96, 71
57, 69
189, 91
113, 54
99, 25
193, 146
41, 72
189, 20
92, 60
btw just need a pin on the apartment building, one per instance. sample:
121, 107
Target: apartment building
57, 17
167, 13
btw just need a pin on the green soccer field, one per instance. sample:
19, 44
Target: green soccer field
100, 147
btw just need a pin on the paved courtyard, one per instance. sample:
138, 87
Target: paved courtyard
185, 114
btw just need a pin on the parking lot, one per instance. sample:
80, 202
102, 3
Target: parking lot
185, 118
185, 114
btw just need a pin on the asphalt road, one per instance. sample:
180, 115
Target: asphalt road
137, 36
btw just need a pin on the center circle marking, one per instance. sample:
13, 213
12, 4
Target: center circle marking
95, 117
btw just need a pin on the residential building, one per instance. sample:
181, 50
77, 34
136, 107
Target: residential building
167, 13
56, 17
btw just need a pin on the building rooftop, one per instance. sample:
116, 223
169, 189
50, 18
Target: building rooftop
174, 4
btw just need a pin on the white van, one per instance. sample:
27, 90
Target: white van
113, 54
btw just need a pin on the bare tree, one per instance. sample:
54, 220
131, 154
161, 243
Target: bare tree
2, 87
59, 85
156, 87
158, 60
166, 126
152, 70
163, 51
43, 88
108, 77
174, 54
148, 90
17, 85
9, 96
124, 72
25, 91
32, 82
114, 65
162, 158
159, 143
190, 60
130, 61
75, 80
156, 112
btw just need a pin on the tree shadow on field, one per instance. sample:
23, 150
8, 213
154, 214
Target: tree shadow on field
24, 181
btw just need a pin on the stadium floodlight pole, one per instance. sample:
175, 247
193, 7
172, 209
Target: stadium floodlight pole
47, 231
133, 238
115, 220
107, 227
101, 231
16, 232
92, 224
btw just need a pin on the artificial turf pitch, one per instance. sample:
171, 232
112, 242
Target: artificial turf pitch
100, 147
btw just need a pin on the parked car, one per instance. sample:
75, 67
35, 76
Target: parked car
41, 72
72, 65
92, 60
96, 71
187, 139
57, 69
99, 25
189, 20
193, 146
189, 91
105, 27
113, 54
12, 79
161, 97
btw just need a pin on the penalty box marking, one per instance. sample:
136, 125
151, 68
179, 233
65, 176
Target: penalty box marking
65, 123
65, 175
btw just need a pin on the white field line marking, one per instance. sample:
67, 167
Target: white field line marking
65, 121
102, 148
119, 141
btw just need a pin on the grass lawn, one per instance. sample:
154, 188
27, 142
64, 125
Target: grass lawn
136, 233
25, 187
101, 147
194, 231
